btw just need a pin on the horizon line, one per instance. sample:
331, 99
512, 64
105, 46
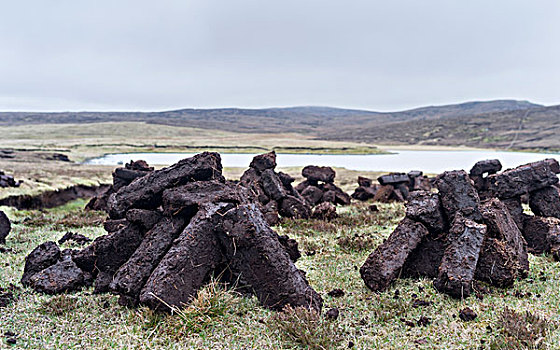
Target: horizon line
172, 109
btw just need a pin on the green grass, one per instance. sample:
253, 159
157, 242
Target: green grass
222, 319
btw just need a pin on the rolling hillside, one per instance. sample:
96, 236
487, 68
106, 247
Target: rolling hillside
528, 129
501, 123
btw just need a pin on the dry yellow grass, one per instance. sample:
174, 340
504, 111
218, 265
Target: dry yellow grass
82, 141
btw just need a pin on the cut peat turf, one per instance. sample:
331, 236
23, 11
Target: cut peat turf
178, 227
222, 319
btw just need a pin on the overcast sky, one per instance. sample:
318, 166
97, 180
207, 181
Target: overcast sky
379, 55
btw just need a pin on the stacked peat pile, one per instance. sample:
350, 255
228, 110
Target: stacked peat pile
122, 177
169, 233
5, 227
7, 154
318, 186
8, 181
538, 182
455, 238
273, 190
320, 192
393, 187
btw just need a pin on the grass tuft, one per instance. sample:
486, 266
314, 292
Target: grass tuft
58, 305
71, 219
522, 330
211, 306
357, 242
305, 327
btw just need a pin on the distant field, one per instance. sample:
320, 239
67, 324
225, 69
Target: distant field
82, 141
500, 124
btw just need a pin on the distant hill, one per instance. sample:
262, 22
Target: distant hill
529, 129
481, 124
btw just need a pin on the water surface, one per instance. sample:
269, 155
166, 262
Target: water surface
399, 160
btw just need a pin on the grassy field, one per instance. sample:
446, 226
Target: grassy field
82, 141
222, 319
410, 315
32, 144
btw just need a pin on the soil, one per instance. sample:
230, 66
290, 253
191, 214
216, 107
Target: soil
51, 199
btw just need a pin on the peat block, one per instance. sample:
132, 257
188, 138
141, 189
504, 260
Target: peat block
40, 258
383, 266
315, 173
392, 179
458, 265
324, 211
542, 234
545, 202
524, 179
503, 257
5, 227
458, 195
364, 181
426, 208
63, 276
424, 261
264, 161
515, 209
145, 192
488, 166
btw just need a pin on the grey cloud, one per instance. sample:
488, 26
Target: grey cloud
381, 55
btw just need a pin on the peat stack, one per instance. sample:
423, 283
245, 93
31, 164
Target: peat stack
538, 181
273, 190
5, 227
318, 187
393, 187
366, 189
169, 233
474, 228
453, 237
122, 177
8, 181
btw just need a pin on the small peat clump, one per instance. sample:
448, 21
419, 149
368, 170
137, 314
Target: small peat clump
467, 314
77, 238
50, 270
122, 177
456, 238
7, 295
319, 187
5, 227
8, 181
171, 232
273, 190
393, 187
